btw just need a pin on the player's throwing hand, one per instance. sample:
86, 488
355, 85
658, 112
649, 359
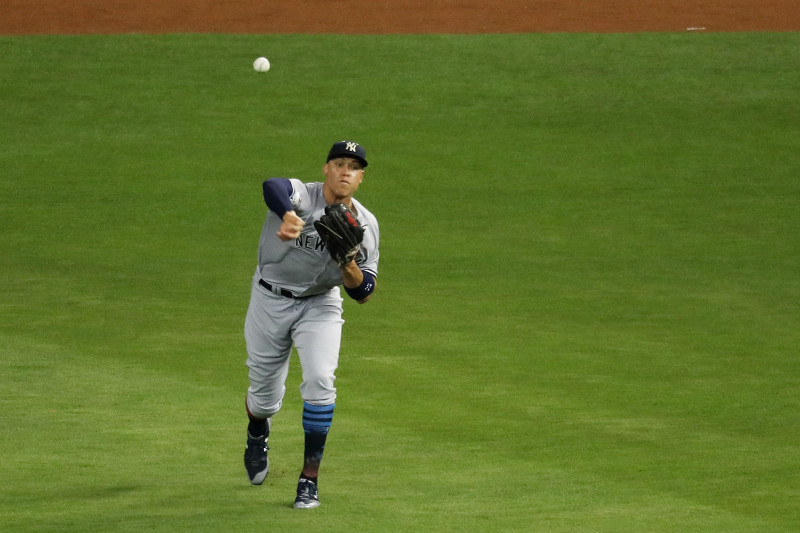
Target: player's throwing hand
291, 227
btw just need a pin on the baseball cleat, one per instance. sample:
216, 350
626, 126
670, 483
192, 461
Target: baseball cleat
307, 495
255, 459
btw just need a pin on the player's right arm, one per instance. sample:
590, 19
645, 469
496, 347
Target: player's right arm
278, 197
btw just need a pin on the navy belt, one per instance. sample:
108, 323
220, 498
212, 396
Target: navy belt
270, 288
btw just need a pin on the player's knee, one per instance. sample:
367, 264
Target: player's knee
319, 389
262, 407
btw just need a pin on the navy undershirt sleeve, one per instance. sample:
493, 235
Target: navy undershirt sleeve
277, 195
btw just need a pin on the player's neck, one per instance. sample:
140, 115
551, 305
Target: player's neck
331, 198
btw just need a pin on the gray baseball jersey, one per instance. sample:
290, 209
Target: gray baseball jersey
304, 266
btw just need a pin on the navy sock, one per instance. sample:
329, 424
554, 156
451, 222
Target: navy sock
258, 427
317, 421
314, 448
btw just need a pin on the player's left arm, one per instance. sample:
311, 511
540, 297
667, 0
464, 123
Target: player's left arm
358, 284
359, 276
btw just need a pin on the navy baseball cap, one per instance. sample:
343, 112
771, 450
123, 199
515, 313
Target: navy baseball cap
348, 149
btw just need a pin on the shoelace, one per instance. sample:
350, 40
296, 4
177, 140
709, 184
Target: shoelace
307, 490
258, 445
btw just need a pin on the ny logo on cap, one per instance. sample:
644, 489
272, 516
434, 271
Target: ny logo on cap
352, 146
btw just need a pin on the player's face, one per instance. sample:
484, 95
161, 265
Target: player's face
343, 175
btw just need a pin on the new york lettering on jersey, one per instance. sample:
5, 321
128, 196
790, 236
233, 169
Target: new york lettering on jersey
310, 241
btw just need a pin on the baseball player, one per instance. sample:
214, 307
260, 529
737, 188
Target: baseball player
316, 236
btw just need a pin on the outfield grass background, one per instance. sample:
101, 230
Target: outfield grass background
588, 301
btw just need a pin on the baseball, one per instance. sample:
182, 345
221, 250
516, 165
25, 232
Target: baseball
261, 64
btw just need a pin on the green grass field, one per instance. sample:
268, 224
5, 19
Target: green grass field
587, 317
